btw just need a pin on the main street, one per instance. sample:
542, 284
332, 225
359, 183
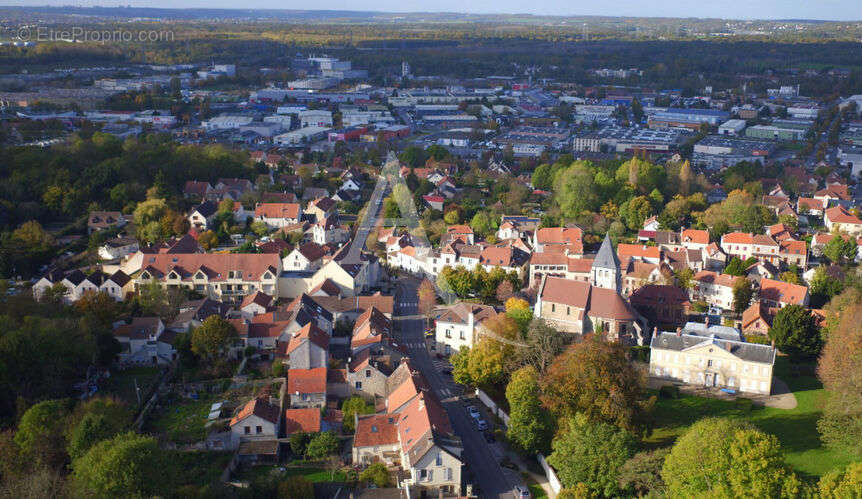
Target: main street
483, 464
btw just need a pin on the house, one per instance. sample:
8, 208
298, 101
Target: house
661, 304
507, 258
201, 216
714, 288
330, 231
809, 206
197, 190
376, 440
651, 224
278, 215
370, 368
457, 232
838, 218
694, 239
351, 184
255, 304
308, 348
258, 419
305, 420
434, 202
568, 240
746, 245
371, 329
118, 247
757, 319
834, 195
101, 220
262, 334
712, 362
715, 259
321, 208
307, 256
793, 252
118, 285
458, 326
144, 341
307, 387
220, 276
780, 294
192, 313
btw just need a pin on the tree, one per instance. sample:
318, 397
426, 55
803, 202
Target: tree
212, 337
32, 235
519, 310
91, 430
838, 250
322, 445
481, 224
795, 333
790, 276
452, 217
530, 427
40, 432
151, 210
427, 297
505, 290
591, 453
684, 278
823, 286
296, 487
298, 443
722, 457
544, 343
390, 208
635, 211
743, 290
575, 190
641, 474
208, 240
841, 483
377, 474
840, 369
355, 405
259, 227
128, 465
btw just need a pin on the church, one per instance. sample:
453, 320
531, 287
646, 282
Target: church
596, 306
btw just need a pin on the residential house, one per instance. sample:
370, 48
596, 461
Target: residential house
839, 218
278, 215
780, 294
118, 247
568, 240
457, 232
712, 362
259, 419
306, 256
321, 208
370, 368
330, 231
201, 216
144, 341
255, 304
713, 288
308, 348
306, 420
746, 245
459, 325
661, 304
307, 387
196, 190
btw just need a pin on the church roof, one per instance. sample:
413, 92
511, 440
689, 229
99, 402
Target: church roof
606, 258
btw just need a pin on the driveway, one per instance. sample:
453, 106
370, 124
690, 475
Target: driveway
781, 397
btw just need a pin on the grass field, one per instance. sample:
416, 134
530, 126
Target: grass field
796, 428
311, 473
182, 423
122, 383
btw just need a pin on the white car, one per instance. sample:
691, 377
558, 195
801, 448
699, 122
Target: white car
481, 425
473, 412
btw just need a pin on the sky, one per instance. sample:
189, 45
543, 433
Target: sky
840, 10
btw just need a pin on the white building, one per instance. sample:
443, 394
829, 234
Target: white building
457, 327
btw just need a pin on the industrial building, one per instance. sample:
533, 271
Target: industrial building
305, 135
714, 152
620, 139
687, 118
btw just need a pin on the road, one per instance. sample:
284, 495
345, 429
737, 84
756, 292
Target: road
492, 481
372, 214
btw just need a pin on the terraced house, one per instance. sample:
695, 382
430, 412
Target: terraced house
223, 277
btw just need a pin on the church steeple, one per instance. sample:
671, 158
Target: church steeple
605, 272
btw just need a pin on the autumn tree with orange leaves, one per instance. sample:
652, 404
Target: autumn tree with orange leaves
596, 379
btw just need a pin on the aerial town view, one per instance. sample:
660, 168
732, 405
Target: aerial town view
413, 250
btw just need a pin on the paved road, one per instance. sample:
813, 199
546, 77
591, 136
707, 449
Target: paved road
493, 482
372, 214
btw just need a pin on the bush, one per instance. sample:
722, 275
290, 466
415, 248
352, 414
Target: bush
277, 369
699, 307
322, 445
296, 487
376, 474
669, 392
757, 338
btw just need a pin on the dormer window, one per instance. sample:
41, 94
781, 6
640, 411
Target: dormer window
145, 275
200, 275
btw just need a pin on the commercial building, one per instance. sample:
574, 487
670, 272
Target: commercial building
780, 130
687, 118
732, 127
305, 135
714, 152
624, 140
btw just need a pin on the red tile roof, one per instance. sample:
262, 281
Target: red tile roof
306, 380
782, 292
261, 408
277, 210
302, 420
376, 429
310, 333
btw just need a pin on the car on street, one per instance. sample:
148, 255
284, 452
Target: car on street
473, 412
481, 425
521, 492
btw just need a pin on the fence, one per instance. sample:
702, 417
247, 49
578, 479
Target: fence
490, 404
554, 482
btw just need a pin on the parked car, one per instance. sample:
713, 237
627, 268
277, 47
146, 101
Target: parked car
481, 425
521, 492
473, 412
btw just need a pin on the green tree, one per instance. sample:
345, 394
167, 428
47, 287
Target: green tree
208, 240
743, 290
519, 310
212, 337
376, 474
452, 217
32, 235
481, 224
641, 474
635, 211
322, 445
543, 177
298, 443
837, 250
795, 333
40, 433
127, 465
592, 454
530, 426
721, 457
575, 190
596, 379
355, 405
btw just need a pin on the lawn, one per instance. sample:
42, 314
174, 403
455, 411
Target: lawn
183, 421
200, 468
796, 429
311, 473
122, 383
